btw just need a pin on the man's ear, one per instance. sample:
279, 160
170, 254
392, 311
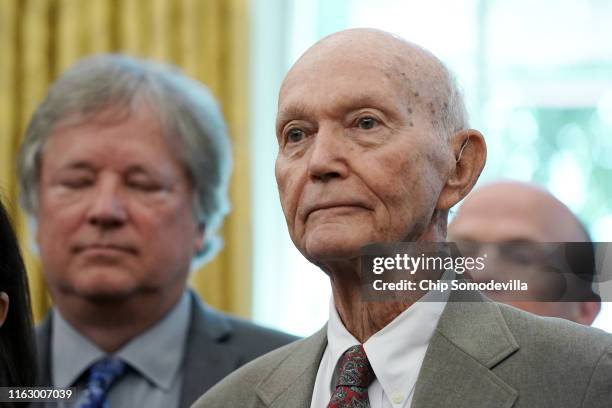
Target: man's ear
587, 312
470, 154
199, 239
4, 305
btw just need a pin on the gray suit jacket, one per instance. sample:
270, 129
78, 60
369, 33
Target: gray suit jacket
482, 355
217, 344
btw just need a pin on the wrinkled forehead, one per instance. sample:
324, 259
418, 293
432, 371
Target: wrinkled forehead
340, 86
118, 112
374, 65
92, 122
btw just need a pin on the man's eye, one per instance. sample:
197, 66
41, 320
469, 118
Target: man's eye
367, 123
144, 186
295, 135
76, 183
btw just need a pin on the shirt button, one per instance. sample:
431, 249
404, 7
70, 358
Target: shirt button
397, 397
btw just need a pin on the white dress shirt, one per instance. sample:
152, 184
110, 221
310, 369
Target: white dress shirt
396, 354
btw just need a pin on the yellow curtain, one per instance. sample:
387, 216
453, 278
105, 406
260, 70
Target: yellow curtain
206, 38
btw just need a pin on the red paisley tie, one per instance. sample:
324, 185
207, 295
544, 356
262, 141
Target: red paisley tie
355, 375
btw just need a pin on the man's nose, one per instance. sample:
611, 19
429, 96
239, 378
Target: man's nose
329, 155
108, 208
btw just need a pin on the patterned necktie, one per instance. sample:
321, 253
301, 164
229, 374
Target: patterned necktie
355, 375
102, 376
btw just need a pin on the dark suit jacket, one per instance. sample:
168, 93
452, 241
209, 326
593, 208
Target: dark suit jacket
217, 344
481, 355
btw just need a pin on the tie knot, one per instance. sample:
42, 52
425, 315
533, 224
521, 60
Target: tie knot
106, 371
354, 369
102, 375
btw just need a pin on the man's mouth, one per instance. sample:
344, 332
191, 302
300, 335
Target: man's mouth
335, 207
104, 249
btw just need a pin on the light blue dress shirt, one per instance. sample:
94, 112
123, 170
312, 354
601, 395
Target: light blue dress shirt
155, 358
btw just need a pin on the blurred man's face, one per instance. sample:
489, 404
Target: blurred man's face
359, 160
115, 214
509, 213
513, 217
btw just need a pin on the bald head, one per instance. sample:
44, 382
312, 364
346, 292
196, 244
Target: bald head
421, 78
511, 211
515, 211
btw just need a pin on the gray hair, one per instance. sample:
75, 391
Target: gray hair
452, 116
187, 111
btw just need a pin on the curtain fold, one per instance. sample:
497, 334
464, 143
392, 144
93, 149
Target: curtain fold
207, 39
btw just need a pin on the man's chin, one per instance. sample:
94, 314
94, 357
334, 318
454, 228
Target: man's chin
104, 293
335, 242
109, 288
332, 251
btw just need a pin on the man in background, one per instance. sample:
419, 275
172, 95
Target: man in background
125, 168
523, 215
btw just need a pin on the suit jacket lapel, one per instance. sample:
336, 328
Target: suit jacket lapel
471, 338
290, 385
207, 359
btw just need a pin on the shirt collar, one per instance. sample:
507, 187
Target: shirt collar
157, 353
396, 352
71, 353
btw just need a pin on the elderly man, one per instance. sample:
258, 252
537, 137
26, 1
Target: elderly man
124, 168
524, 214
373, 147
